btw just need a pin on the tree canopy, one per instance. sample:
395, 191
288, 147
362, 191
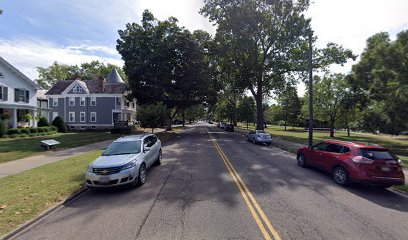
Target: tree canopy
165, 63
49, 76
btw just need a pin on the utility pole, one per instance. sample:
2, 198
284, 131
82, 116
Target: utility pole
310, 92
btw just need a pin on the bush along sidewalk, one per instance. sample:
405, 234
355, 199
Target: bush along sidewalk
29, 132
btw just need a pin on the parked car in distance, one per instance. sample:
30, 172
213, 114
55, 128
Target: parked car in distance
124, 162
354, 162
221, 125
229, 127
260, 136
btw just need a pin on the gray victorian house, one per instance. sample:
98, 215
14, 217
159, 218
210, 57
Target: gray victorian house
91, 104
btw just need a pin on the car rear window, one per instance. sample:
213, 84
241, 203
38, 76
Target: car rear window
377, 154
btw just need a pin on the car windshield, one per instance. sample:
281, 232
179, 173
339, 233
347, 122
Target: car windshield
120, 148
377, 154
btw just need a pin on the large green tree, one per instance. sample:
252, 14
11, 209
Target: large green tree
165, 63
50, 75
381, 79
267, 42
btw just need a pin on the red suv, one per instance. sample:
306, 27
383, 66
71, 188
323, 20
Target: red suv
354, 162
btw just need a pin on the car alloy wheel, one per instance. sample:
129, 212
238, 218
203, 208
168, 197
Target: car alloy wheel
142, 174
301, 160
340, 176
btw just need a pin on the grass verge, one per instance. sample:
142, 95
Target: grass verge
25, 195
13, 149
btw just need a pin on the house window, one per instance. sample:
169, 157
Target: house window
54, 115
118, 102
1, 75
21, 95
3, 93
82, 116
55, 102
77, 89
82, 102
71, 101
93, 101
71, 116
93, 116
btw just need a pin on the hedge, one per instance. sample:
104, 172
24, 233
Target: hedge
25, 131
13, 131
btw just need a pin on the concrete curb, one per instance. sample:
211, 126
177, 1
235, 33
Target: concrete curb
26, 225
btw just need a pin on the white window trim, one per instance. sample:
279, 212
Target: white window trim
69, 116
91, 116
80, 101
55, 102
80, 116
93, 100
77, 89
69, 101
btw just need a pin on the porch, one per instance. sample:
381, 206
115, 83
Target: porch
15, 115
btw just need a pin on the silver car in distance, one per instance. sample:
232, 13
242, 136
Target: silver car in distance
259, 136
124, 162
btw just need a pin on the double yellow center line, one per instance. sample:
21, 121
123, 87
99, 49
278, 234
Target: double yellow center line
254, 208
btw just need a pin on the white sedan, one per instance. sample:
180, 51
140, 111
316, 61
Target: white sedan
124, 162
259, 136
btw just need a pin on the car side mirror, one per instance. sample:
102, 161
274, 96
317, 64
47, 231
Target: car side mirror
146, 149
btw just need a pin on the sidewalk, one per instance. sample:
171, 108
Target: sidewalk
17, 166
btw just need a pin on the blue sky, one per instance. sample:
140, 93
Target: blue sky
38, 32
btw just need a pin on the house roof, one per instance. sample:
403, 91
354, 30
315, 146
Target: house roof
114, 77
20, 74
94, 86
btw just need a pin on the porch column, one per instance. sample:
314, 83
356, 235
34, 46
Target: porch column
34, 115
14, 118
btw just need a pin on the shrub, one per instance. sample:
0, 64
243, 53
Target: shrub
13, 131
53, 129
33, 130
3, 128
43, 122
25, 131
42, 129
60, 124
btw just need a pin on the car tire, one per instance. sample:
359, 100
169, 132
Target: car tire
301, 160
141, 179
159, 158
254, 141
340, 176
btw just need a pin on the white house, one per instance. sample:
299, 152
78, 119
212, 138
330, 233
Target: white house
18, 96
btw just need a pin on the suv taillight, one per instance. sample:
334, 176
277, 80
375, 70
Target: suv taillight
361, 159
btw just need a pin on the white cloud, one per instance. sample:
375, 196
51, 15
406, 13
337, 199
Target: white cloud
26, 55
350, 22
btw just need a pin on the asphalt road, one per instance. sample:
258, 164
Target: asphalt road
237, 191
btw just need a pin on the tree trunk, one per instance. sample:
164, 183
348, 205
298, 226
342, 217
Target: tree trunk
259, 111
348, 130
247, 125
168, 127
184, 117
331, 128
286, 118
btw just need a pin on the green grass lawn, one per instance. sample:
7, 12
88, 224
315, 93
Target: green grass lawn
399, 145
27, 194
12, 149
